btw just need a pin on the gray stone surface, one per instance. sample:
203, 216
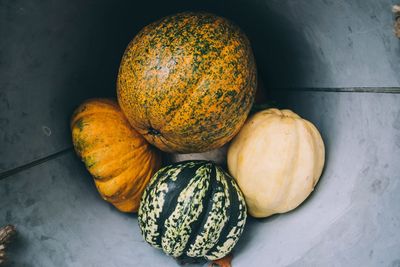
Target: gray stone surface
62, 221
341, 43
53, 55
351, 219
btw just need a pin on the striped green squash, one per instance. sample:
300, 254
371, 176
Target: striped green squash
192, 209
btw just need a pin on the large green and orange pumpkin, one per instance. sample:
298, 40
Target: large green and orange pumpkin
187, 82
118, 157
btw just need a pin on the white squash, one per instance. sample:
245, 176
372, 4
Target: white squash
277, 159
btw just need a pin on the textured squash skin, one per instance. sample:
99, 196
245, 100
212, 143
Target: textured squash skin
118, 157
187, 82
277, 159
192, 209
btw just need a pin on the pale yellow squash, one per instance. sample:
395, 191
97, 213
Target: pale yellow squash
277, 159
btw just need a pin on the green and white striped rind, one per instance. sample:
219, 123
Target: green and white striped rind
192, 209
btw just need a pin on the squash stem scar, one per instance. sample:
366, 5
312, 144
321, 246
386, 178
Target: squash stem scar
153, 131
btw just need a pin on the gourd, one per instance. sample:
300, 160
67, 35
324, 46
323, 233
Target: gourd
118, 157
277, 158
192, 209
187, 82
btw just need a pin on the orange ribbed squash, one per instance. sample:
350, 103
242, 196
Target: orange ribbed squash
187, 82
118, 157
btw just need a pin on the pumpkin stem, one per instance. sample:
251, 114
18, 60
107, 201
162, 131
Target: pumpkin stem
153, 131
396, 11
224, 262
6, 233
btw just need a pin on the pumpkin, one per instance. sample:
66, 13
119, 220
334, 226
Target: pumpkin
192, 209
187, 82
276, 159
118, 157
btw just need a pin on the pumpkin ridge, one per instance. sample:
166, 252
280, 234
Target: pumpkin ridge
95, 113
293, 162
118, 171
141, 187
209, 225
207, 203
92, 104
96, 104
107, 196
120, 144
173, 199
311, 143
127, 156
183, 222
318, 168
234, 226
286, 182
226, 226
124, 190
150, 211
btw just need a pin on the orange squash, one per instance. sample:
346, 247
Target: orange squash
118, 157
187, 82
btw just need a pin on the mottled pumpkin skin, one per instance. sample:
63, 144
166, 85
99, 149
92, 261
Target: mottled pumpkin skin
118, 157
187, 82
